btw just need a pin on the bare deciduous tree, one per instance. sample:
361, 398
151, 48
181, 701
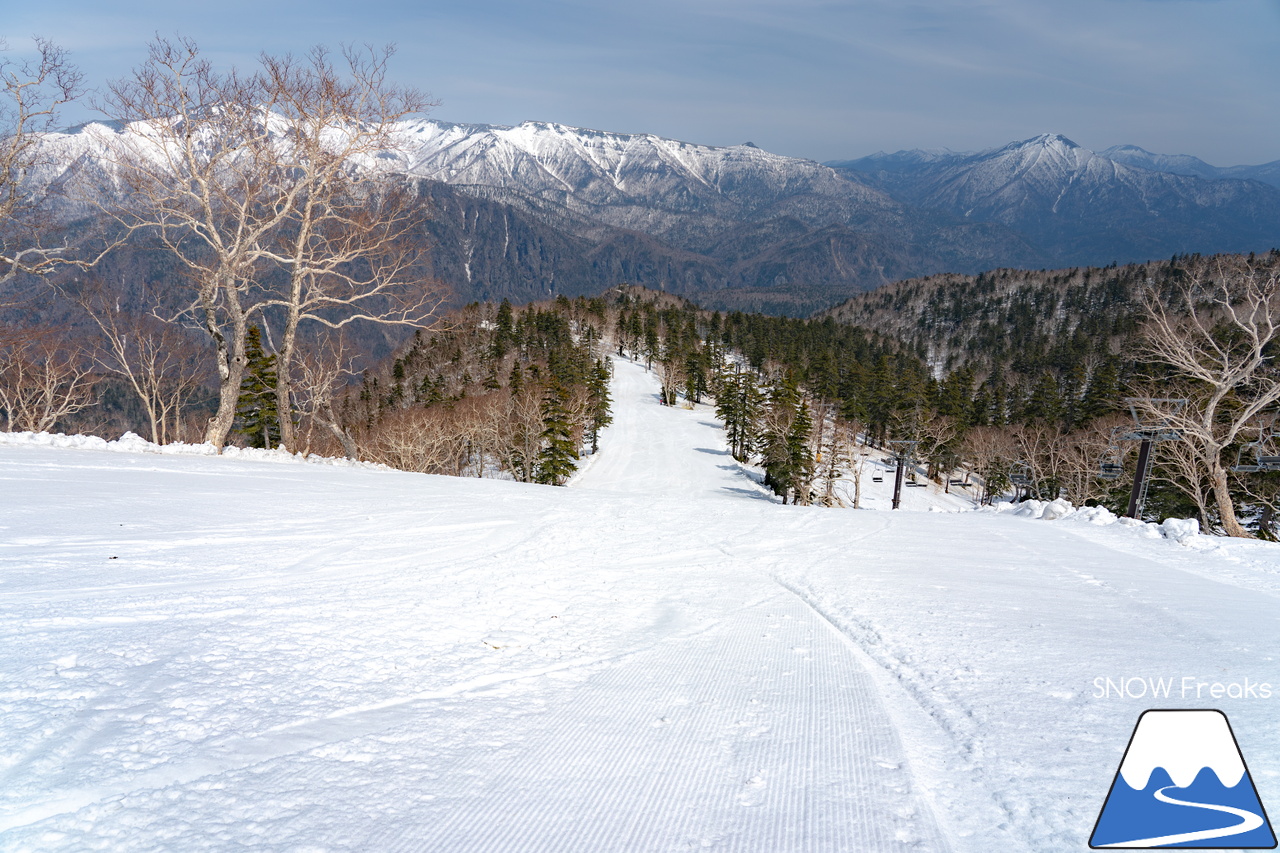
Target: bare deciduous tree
412, 440
31, 94
1080, 456
1216, 334
830, 453
349, 242
159, 361
196, 161
1041, 447
241, 176
858, 468
671, 376
937, 435
43, 379
989, 452
478, 421
523, 435
322, 373
1181, 467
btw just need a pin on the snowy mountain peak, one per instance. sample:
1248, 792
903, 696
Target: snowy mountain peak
1126, 150
1056, 140
1050, 141
1177, 164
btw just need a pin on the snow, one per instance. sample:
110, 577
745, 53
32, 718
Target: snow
133, 443
203, 652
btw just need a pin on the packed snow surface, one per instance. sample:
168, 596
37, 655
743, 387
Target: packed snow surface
211, 653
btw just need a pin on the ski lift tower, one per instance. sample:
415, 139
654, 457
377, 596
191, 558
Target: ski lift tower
906, 456
1148, 431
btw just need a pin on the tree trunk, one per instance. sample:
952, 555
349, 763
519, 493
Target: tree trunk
1226, 506
284, 381
348, 444
231, 362
1266, 522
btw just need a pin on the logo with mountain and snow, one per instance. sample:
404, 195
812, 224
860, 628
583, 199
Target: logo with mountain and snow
1183, 783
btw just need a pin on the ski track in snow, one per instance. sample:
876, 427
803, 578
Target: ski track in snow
209, 654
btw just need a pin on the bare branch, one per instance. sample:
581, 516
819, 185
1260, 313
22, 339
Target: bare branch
1217, 337
32, 93
43, 380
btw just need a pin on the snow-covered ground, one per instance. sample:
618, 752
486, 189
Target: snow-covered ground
205, 653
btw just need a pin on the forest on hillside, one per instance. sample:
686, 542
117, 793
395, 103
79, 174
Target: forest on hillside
1039, 410
1056, 406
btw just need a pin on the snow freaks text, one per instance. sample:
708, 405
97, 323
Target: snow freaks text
1179, 687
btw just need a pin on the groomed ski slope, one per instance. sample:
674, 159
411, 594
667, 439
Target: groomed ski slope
203, 653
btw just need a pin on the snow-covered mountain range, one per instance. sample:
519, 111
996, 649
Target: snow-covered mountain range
543, 208
1082, 207
1185, 164
669, 189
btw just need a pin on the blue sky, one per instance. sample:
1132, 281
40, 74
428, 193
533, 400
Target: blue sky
808, 78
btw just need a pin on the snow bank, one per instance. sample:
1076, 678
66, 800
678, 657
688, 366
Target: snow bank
133, 443
1047, 510
1184, 531
1180, 528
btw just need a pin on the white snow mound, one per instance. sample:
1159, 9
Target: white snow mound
133, 443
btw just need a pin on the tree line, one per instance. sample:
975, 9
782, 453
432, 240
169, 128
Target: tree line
1183, 349
1041, 384
495, 390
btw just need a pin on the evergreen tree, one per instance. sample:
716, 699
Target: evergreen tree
695, 375
1045, 402
558, 457
503, 331
1102, 394
880, 398
784, 444
738, 405
598, 416
1074, 387
979, 413
800, 460
651, 343
256, 412
955, 396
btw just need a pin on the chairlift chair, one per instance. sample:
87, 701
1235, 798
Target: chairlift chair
1261, 461
1109, 466
1110, 470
